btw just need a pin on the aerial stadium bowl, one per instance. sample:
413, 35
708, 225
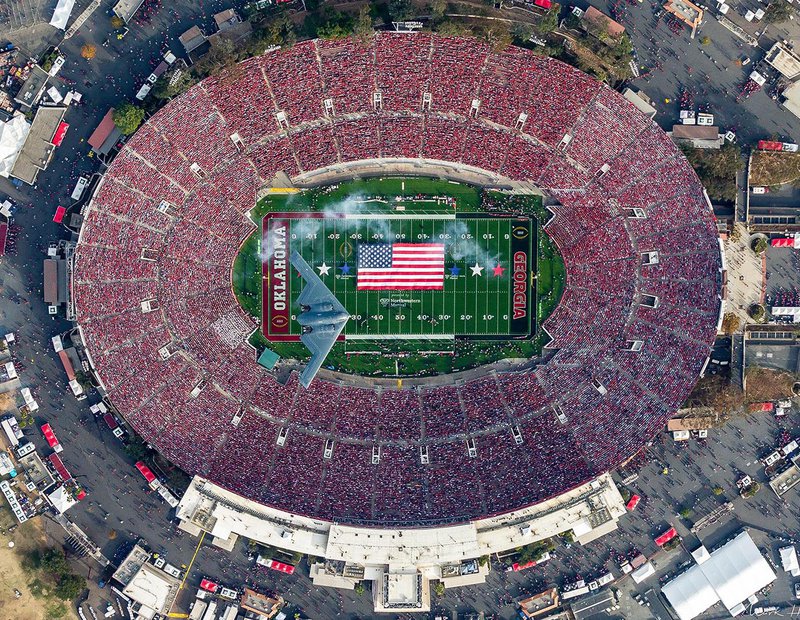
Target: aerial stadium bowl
171, 343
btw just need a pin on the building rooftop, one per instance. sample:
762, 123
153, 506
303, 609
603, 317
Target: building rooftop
613, 28
32, 87
126, 9
103, 132
539, 604
688, 12
38, 147
192, 39
784, 60
153, 589
260, 603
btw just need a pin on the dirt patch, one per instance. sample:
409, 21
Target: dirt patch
35, 603
771, 169
7, 403
764, 384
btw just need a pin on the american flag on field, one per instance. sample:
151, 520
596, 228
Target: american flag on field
400, 266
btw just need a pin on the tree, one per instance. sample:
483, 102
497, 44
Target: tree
717, 169
778, 11
758, 313
337, 25
760, 245
686, 512
25, 419
172, 84
522, 31
730, 323
717, 491
136, 448
359, 588
438, 588
453, 29
70, 586
498, 37
400, 10
438, 8
549, 21
705, 40
127, 117
55, 562
117, 22
223, 55
717, 393
88, 51
363, 28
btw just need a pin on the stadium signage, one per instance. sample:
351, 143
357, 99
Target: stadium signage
275, 241
520, 299
278, 259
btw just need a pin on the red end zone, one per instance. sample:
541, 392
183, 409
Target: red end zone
275, 279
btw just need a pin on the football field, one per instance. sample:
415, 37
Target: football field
485, 288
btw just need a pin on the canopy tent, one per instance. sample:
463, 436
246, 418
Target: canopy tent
792, 312
786, 242
12, 136
61, 499
62, 13
666, 536
643, 572
789, 561
731, 574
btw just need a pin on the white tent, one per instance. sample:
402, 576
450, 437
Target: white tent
789, 560
643, 572
61, 499
701, 554
12, 137
731, 574
62, 13
789, 311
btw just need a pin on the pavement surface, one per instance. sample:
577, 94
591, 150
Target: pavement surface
709, 74
119, 508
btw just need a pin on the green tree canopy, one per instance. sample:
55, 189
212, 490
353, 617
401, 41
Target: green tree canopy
70, 586
172, 84
438, 8
54, 561
549, 21
717, 169
778, 11
336, 25
363, 27
400, 10
127, 117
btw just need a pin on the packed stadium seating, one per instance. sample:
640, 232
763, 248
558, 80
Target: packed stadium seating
537, 431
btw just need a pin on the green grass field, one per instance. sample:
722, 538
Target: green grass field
412, 197
477, 294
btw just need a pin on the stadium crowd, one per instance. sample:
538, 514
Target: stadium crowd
171, 213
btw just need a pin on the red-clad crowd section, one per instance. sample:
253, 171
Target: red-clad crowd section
169, 217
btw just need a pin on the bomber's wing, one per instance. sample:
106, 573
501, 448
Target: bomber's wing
320, 344
315, 291
317, 341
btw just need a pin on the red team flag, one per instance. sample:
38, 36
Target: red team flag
400, 266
